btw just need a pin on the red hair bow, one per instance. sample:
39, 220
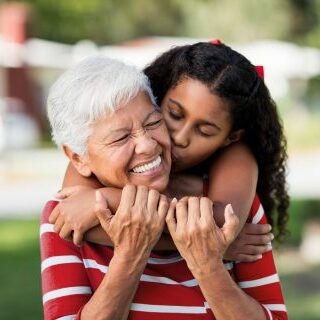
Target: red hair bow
259, 69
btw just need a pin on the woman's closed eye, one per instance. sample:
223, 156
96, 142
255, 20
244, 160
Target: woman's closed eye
154, 124
123, 138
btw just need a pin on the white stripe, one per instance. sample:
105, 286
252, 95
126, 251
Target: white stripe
257, 217
70, 317
268, 311
228, 265
206, 304
93, 264
46, 227
164, 261
167, 309
65, 292
276, 307
89, 263
259, 282
53, 261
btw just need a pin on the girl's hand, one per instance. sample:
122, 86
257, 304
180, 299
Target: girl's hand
197, 237
251, 243
75, 214
138, 223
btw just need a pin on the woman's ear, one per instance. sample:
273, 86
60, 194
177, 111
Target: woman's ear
79, 162
234, 136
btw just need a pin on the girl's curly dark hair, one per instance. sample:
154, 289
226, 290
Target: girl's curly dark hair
233, 78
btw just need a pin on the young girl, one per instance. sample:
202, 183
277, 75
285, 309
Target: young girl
233, 170
211, 97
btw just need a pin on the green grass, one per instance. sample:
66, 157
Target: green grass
20, 295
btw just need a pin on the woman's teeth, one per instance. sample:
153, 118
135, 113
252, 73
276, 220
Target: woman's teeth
148, 166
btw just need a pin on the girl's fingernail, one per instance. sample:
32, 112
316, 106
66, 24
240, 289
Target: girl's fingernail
259, 256
174, 200
270, 227
272, 236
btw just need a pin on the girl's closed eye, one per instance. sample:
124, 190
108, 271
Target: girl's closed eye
175, 115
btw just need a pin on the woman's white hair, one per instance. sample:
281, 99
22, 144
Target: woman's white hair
92, 89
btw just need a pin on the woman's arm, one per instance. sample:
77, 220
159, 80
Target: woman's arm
134, 236
72, 295
202, 244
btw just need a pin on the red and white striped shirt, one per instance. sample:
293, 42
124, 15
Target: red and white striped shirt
167, 289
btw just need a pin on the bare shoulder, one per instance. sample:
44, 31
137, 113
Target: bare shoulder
236, 155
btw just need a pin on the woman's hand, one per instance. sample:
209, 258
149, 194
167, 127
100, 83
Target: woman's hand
138, 223
75, 214
251, 243
197, 237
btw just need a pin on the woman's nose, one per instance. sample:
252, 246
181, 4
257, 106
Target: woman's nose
145, 144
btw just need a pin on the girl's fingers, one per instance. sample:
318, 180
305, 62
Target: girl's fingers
170, 218
66, 192
65, 233
58, 224
54, 214
257, 229
77, 238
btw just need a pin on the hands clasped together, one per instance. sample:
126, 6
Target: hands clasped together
141, 216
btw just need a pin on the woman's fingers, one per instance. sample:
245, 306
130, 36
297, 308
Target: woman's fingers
170, 218
163, 207
193, 210
153, 200
182, 213
141, 197
230, 226
127, 200
206, 209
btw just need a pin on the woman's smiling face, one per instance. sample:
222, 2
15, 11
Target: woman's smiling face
130, 146
198, 122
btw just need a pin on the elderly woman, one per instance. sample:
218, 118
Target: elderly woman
102, 113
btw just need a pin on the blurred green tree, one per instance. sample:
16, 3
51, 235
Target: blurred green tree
110, 21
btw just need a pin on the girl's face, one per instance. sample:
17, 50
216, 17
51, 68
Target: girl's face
198, 122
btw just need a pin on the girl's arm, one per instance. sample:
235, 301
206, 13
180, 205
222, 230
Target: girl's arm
233, 179
75, 219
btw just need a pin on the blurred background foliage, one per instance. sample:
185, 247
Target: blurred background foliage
235, 21
110, 21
